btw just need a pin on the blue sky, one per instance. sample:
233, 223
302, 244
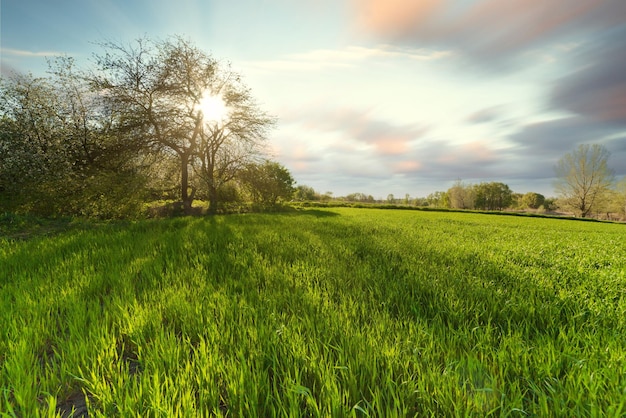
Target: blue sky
384, 96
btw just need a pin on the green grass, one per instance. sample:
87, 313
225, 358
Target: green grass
320, 312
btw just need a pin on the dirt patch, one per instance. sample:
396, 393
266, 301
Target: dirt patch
127, 352
74, 406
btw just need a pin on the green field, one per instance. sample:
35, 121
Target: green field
319, 312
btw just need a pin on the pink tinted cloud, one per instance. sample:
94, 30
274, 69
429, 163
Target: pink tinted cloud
394, 17
473, 152
516, 24
361, 128
392, 145
478, 150
485, 26
408, 166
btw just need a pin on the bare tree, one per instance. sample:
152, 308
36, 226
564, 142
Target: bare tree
583, 177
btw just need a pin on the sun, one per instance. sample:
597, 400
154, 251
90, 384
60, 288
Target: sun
213, 108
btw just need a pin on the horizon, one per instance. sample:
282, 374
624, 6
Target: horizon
385, 97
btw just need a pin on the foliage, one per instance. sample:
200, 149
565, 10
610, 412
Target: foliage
268, 183
359, 197
304, 193
321, 312
620, 197
492, 196
33, 154
532, 200
57, 150
461, 195
438, 199
583, 178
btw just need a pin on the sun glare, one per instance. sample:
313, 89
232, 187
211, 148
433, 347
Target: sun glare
213, 108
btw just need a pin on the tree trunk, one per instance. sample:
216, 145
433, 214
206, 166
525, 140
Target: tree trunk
212, 199
209, 170
184, 184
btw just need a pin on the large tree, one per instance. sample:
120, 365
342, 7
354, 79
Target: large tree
583, 176
168, 94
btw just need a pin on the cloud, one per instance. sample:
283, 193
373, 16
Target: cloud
29, 54
407, 166
538, 146
492, 30
598, 89
350, 56
354, 145
362, 127
617, 161
558, 136
395, 17
486, 115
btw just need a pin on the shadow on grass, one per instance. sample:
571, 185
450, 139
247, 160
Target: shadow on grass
314, 212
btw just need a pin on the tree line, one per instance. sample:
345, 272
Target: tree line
584, 183
151, 120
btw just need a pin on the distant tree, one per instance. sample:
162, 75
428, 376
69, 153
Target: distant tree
391, 198
619, 197
492, 196
550, 204
268, 183
304, 192
461, 195
438, 199
532, 200
326, 196
359, 197
516, 201
583, 177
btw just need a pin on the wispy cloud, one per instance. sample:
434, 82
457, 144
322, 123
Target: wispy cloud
354, 54
598, 89
350, 56
486, 115
485, 29
362, 127
27, 54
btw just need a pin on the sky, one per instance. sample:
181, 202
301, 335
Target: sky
383, 96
